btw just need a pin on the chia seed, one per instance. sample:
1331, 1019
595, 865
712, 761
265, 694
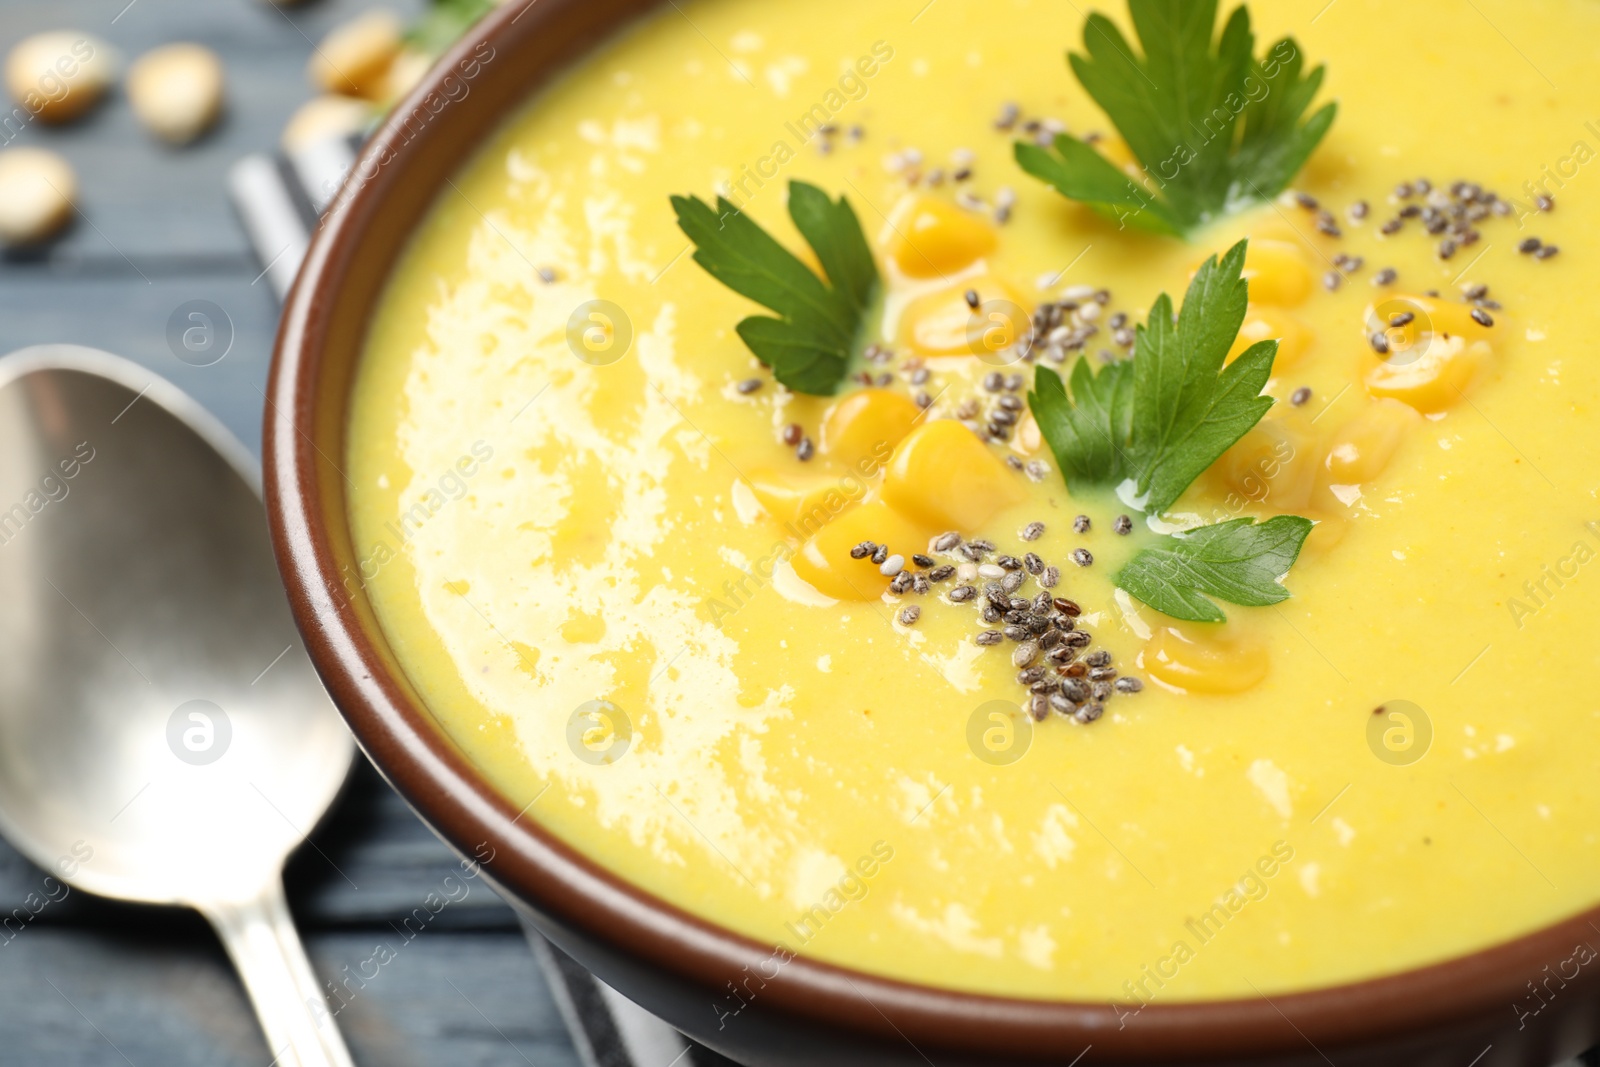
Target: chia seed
1299, 397
1082, 557
863, 550
1080, 524
990, 637
1032, 532
1128, 684
1051, 577
1123, 525
962, 593
748, 386
910, 615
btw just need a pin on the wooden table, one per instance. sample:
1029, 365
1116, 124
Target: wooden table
93, 983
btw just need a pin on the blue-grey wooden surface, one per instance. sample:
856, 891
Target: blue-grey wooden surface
93, 983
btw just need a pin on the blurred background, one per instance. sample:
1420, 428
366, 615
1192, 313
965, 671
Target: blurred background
149, 230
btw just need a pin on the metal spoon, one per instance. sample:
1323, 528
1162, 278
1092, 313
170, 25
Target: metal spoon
163, 737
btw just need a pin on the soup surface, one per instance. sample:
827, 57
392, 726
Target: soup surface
595, 569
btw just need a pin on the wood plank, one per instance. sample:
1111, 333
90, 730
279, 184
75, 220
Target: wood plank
164, 994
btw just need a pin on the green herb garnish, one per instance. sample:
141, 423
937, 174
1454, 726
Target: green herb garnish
444, 23
1214, 128
1240, 561
810, 346
1152, 425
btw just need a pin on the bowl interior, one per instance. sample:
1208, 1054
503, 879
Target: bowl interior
482, 81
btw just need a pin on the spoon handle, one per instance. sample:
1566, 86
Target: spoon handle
261, 938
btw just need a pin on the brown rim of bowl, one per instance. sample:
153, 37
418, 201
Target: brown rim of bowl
398, 176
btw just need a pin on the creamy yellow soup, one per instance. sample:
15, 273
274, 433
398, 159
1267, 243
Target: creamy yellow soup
596, 569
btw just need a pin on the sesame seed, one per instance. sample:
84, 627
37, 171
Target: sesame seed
909, 615
1299, 397
991, 570
748, 386
1082, 557
1481, 317
892, 566
1123, 525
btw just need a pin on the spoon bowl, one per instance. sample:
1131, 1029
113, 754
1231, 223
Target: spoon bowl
163, 736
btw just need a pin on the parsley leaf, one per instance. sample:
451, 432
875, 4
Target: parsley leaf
1168, 414
1240, 561
810, 346
1214, 128
1185, 413
1153, 424
1088, 432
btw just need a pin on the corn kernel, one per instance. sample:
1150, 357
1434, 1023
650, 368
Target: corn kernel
942, 475
1434, 376
942, 323
1363, 447
824, 560
1419, 317
930, 238
809, 499
1205, 661
1264, 323
1277, 272
1272, 466
861, 430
